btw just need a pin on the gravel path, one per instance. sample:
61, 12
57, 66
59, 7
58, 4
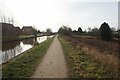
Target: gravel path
53, 64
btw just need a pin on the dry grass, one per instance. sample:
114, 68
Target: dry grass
109, 61
106, 53
101, 46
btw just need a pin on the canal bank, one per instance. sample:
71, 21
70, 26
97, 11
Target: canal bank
18, 38
14, 48
23, 66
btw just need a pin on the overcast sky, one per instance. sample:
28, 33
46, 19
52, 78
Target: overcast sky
54, 13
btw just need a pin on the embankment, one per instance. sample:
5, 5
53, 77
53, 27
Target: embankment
24, 65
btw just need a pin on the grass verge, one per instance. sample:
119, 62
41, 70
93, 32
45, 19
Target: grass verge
81, 65
23, 66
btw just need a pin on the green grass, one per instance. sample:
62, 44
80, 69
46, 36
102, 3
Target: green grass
81, 65
24, 65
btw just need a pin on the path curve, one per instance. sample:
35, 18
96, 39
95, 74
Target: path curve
53, 64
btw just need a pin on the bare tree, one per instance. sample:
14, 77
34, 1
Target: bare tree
48, 30
4, 19
89, 29
1, 18
9, 20
12, 21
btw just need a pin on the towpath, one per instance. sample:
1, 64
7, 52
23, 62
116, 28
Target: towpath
53, 64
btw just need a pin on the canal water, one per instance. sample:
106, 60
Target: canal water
12, 49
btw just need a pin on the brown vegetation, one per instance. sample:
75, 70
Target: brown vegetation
104, 52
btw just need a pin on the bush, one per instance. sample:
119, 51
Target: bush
105, 32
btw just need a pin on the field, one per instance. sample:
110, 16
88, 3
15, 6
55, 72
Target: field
100, 45
91, 57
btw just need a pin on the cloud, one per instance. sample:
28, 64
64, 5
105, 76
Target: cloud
51, 14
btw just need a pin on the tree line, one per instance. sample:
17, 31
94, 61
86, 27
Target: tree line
104, 32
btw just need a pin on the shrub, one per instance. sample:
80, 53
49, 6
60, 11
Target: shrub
105, 32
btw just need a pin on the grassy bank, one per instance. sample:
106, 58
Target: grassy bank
25, 36
23, 66
81, 65
15, 38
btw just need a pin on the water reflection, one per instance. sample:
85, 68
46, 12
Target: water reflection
29, 41
9, 45
12, 49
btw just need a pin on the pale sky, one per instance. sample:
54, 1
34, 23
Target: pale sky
54, 13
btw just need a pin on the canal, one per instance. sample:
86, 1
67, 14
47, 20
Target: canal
12, 49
